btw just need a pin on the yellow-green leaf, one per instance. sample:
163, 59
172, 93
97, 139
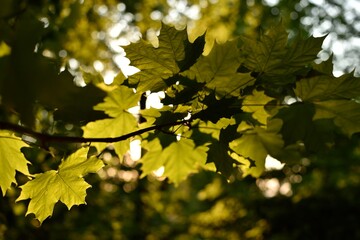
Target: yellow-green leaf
112, 127
65, 184
118, 101
255, 104
4, 49
346, 114
151, 160
156, 64
11, 159
217, 67
182, 158
266, 54
255, 145
328, 87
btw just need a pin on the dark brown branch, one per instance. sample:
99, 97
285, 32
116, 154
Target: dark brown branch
44, 138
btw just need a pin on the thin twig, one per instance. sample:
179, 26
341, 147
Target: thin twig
42, 137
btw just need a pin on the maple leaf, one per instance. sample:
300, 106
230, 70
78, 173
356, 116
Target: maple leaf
219, 154
255, 104
346, 114
231, 86
4, 49
182, 158
299, 125
11, 159
300, 54
151, 161
119, 101
297, 122
217, 67
274, 60
179, 159
157, 64
266, 54
328, 87
65, 184
255, 144
116, 105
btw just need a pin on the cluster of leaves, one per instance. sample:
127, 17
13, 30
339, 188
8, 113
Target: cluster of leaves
224, 112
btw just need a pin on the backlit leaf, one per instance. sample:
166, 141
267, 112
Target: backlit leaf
112, 127
118, 101
116, 105
217, 67
274, 59
182, 158
346, 114
255, 104
65, 184
4, 49
265, 55
150, 161
328, 87
156, 64
11, 159
254, 145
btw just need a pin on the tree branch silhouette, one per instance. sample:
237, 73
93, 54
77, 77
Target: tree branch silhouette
46, 138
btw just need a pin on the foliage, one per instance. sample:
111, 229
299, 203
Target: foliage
225, 109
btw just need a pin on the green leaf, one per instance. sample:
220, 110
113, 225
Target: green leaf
255, 104
219, 151
182, 158
301, 53
276, 61
217, 67
346, 114
94, 78
231, 86
11, 159
156, 64
171, 43
179, 159
119, 101
325, 67
65, 184
112, 127
297, 122
265, 55
4, 49
255, 144
326, 87
299, 125
150, 160
122, 122
219, 154
119, 78
218, 108
192, 52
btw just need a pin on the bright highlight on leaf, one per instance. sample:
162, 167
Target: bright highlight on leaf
179, 159
4, 49
65, 184
116, 105
11, 159
254, 146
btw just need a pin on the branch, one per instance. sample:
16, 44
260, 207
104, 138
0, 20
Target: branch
42, 137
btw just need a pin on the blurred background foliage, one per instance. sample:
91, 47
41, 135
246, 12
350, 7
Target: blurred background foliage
314, 198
